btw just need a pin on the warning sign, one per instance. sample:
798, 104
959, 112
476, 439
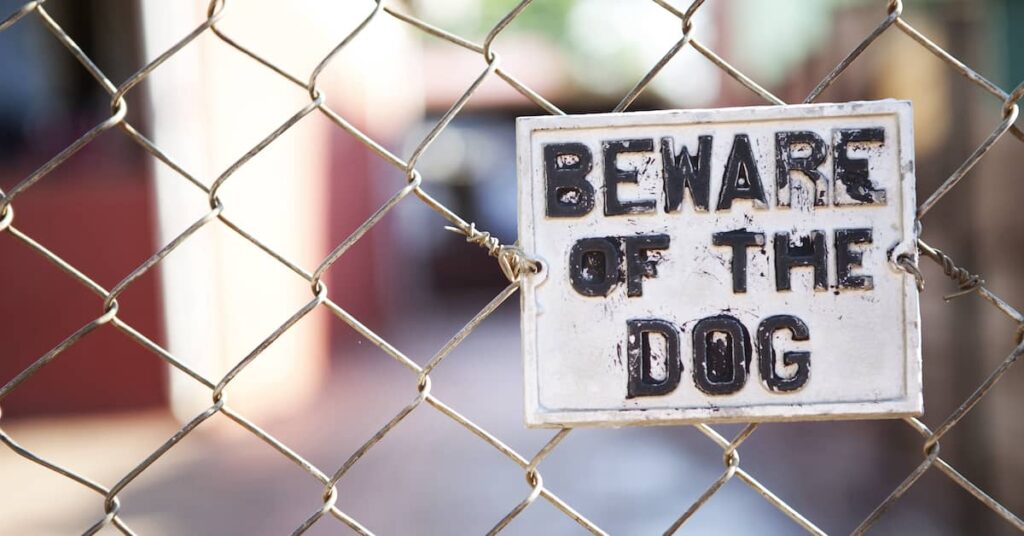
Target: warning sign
719, 265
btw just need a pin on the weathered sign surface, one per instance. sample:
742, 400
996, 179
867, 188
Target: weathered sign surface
719, 265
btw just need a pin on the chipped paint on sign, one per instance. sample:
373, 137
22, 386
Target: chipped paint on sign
719, 265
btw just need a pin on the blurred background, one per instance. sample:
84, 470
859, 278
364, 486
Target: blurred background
106, 403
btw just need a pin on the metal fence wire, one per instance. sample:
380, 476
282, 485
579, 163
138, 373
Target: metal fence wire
514, 264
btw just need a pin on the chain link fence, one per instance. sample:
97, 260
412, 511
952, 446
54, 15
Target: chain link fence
515, 265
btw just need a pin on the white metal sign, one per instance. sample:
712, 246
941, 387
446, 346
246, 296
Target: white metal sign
719, 265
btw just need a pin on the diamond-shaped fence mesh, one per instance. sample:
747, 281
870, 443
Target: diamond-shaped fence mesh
514, 263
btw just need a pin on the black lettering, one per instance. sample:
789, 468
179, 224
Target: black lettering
786, 163
639, 263
640, 358
767, 357
739, 240
847, 258
683, 172
852, 173
569, 194
721, 355
613, 176
594, 266
802, 251
741, 179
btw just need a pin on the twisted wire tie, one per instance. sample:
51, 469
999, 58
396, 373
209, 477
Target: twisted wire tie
967, 281
512, 260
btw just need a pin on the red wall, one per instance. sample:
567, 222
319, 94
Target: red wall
97, 214
354, 280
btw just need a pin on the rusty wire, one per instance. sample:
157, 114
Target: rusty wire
515, 264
